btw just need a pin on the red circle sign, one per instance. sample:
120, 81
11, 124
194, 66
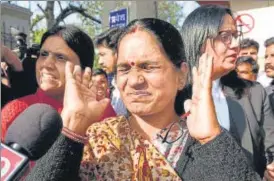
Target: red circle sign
246, 22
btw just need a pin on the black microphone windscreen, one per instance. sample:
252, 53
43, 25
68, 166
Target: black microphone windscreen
35, 130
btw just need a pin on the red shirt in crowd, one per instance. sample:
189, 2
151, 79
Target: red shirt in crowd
15, 107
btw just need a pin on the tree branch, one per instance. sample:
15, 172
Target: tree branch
36, 20
73, 9
39, 6
61, 8
60, 5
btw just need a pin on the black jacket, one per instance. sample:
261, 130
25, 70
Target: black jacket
249, 108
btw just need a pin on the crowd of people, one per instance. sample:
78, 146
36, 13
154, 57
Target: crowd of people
164, 104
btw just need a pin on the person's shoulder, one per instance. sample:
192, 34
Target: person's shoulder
252, 85
16, 106
257, 87
10, 112
269, 89
257, 93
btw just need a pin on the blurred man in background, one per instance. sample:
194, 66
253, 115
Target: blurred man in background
249, 47
269, 68
99, 78
247, 68
106, 44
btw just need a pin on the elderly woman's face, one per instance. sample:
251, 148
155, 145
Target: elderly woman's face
225, 47
50, 66
147, 80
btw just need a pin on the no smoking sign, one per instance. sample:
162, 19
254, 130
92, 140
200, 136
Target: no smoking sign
246, 22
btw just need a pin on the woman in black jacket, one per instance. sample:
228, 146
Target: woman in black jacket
242, 106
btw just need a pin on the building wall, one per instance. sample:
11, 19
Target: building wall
237, 5
17, 17
223, 3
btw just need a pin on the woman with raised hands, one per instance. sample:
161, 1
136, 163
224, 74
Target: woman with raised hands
155, 142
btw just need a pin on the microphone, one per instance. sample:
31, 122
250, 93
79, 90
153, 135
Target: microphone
29, 137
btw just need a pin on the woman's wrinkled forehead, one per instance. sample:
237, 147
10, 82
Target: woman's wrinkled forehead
140, 43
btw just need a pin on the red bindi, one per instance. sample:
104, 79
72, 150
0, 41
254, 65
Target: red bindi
132, 63
134, 29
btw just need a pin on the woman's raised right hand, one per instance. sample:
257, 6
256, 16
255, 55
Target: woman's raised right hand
81, 109
202, 123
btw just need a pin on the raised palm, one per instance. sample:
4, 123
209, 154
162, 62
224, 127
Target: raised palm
81, 108
202, 122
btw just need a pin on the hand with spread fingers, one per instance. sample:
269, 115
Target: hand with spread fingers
202, 121
81, 109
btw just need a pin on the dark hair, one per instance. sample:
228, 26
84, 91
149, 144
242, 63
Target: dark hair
201, 24
247, 43
248, 60
99, 72
169, 39
77, 40
269, 42
238, 85
108, 38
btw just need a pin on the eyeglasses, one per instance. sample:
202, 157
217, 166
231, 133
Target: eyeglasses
227, 36
175, 131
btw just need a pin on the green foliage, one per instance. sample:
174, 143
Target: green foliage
96, 63
170, 11
94, 8
37, 35
36, 20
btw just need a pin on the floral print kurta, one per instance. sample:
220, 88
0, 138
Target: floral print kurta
116, 152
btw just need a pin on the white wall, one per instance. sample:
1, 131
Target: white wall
263, 27
240, 5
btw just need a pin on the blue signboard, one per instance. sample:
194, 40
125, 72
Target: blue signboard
118, 18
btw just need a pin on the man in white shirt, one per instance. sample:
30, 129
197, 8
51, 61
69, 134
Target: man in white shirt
250, 47
269, 68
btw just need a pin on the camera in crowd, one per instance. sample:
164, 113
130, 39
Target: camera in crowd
22, 48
